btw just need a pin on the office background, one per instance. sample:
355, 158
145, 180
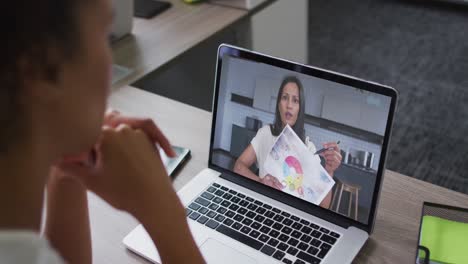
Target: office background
418, 47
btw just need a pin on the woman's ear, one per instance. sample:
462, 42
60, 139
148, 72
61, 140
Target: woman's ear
40, 82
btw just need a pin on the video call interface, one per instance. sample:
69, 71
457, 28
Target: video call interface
311, 138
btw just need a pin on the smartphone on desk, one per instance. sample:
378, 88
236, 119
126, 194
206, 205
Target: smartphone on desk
149, 8
173, 164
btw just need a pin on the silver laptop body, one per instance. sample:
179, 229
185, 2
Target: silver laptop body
234, 219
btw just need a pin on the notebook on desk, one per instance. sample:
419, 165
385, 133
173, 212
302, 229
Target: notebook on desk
241, 210
443, 234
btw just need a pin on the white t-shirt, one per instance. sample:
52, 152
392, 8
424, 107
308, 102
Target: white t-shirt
263, 142
26, 247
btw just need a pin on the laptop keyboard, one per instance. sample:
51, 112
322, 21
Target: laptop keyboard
261, 226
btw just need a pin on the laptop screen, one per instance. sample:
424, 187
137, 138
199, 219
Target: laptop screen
316, 139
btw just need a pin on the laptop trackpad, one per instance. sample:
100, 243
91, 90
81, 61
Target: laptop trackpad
216, 252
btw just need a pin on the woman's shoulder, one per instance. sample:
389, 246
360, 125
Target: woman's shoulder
262, 138
264, 130
310, 145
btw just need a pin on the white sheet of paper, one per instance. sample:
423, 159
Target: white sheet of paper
295, 167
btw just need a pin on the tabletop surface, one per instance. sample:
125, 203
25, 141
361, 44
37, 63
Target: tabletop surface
398, 215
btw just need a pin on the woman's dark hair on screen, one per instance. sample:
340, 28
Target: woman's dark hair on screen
298, 127
37, 36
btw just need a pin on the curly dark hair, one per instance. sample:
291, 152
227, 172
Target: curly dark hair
30, 31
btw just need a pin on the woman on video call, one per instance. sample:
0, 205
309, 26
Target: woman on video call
290, 110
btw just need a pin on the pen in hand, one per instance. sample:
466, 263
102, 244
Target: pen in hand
320, 151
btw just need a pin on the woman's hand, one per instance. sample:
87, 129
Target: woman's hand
128, 172
332, 157
113, 119
272, 181
126, 146
129, 175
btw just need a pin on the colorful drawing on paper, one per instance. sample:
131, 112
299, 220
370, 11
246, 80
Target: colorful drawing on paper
298, 170
293, 174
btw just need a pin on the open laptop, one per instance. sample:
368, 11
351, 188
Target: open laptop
236, 219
